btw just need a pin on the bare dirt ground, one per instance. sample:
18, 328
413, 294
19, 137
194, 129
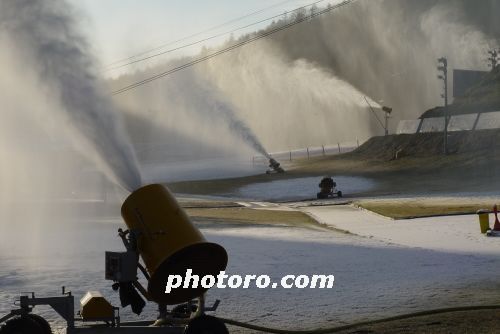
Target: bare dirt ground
248, 216
419, 207
478, 322
460, 322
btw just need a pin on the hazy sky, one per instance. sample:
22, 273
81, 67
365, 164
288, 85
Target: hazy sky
121, 28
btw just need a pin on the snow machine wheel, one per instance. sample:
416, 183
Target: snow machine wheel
206, 324
321, 196
339, 193
183, 311
22, 325
44, 324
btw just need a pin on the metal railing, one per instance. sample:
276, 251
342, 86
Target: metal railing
309, 152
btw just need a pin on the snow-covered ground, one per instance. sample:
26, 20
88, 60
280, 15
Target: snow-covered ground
384, 267
373, 278
459, 234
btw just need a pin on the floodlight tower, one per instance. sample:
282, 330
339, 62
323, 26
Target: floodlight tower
493, 59
387, 111
443, 68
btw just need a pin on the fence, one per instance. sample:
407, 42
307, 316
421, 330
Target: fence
309, 152
465, 122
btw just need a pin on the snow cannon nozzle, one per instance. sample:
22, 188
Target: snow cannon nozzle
275, 167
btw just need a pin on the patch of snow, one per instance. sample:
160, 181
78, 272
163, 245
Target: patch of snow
451, 233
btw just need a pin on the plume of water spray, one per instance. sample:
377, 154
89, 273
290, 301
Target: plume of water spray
259, 98
289, 104
388, 49
45, 34
227, 115
305, 86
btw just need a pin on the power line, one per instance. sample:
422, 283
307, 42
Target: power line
207, 39
230, 48
196, 34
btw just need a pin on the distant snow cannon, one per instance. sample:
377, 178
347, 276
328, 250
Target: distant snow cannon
328, 188
169, 243
275, 167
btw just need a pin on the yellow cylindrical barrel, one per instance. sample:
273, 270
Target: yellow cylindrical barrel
169, 243
484, 220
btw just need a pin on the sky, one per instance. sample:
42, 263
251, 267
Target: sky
118, 29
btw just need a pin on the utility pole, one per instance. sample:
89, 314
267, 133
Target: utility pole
493, 59
443, 68
387, 111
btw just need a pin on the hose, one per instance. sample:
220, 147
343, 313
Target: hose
359, 324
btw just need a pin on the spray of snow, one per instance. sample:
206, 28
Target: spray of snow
44, 34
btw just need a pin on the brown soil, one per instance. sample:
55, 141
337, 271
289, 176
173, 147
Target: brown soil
468, 322
248, 216
407, 208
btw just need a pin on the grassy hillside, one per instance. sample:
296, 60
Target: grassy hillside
420, 166
485, 94
480, 143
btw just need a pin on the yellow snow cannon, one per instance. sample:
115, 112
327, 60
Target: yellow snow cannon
169, 243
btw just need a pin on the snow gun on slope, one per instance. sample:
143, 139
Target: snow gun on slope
275, 167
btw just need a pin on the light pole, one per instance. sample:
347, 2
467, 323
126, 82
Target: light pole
443, 67
493, 59
387, 111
